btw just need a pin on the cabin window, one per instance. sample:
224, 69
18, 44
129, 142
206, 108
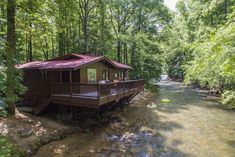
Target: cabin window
91, 75
116, 75
105, 75
121, 75
55, 76
76, 76
65, 76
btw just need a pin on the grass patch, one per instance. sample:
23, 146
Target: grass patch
8, 149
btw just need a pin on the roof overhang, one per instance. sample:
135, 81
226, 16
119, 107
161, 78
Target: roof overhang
76, 62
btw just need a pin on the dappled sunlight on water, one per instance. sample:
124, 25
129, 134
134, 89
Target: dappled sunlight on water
188, 125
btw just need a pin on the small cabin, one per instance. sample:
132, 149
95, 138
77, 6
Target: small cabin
78, 80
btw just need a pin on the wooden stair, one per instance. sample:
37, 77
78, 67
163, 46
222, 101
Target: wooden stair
126, 100
43, 105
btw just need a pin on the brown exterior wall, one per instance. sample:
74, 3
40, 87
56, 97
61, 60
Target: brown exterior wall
37, 89
34, 84
99, 71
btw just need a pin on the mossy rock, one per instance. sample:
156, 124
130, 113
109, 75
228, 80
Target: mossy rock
165, 100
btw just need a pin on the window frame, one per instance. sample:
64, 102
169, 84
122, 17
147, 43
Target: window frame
95, 78
106, 74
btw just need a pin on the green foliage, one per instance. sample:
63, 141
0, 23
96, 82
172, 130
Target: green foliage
199, 44
147, 63
228, 98
18, 89
128, 31
2, 79
214, 65
3, 113
8, 149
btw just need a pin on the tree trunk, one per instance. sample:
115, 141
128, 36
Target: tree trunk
133, 55
11, 50
119, 40
67, 36
85, 26
61, 44
133, 51
26, 48
45, 52
30, 44
125, 54
52, 44
102, 13
2, 14
62, 27
119, 50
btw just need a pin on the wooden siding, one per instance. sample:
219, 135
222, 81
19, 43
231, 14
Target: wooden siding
34, 82
99, 66
45, 87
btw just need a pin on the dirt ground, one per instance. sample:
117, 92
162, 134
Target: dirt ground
44, 130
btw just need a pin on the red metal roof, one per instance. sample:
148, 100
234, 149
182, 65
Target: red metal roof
71, 61
120, 65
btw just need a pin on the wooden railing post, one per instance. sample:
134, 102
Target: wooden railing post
70, 82
98, 90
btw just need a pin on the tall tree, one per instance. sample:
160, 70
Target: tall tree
11, 50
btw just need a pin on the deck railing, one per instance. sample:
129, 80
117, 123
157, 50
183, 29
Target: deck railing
96, 90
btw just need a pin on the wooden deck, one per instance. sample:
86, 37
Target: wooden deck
92, 95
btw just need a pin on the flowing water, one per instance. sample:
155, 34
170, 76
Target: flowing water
191, 124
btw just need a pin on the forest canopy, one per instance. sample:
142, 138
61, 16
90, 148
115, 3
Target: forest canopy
194, 44
128, 31
200, 46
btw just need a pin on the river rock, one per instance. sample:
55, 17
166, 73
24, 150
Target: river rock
148, 134
26, 132
91, 151
152, 106
45, 139
146, 131
129, 137
114, 138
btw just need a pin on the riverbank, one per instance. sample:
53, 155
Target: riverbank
28, 132
42, 130
227, 97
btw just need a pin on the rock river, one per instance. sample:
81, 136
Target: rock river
189, 124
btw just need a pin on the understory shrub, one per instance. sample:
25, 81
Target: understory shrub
8, 149
228, 98
2, 79
3, 113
